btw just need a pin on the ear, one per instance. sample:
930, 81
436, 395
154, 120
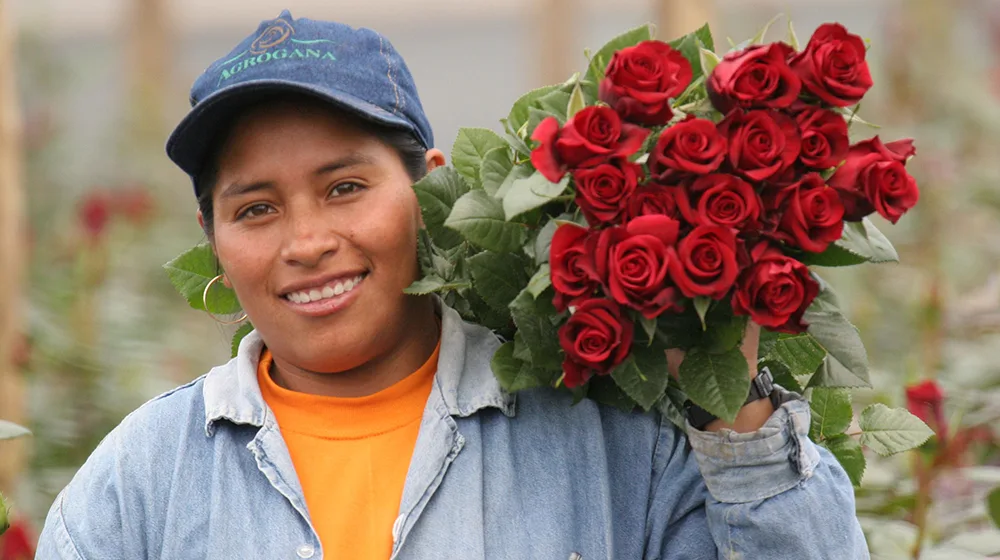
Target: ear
435, 159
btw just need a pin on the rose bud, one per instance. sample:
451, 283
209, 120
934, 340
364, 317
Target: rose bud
720, 199
633, 262
706, 262
593, 136
926, 401
812, 215
762, 144
691, 147
571, 267
874, 178
757, 77
824, 137
775, 290
602, 191
596, 338
833, 66
640, 81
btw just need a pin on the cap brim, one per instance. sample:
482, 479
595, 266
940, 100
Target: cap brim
191, 141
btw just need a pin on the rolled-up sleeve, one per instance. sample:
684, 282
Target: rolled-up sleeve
770, 494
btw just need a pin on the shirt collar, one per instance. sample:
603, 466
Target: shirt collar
464, 381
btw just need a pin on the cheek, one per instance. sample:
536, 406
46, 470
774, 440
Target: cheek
247, 259
387, 231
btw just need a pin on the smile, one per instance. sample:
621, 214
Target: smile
327, 291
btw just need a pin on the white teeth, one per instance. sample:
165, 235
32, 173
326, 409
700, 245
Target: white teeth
325, 292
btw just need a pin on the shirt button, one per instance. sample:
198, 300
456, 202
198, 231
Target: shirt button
305, 551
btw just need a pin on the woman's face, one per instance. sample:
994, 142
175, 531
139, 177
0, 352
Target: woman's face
315, 228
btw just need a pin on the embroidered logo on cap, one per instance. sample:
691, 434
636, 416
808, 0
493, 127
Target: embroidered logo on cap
277, 33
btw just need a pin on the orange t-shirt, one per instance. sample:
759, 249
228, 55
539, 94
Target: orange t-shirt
351, 456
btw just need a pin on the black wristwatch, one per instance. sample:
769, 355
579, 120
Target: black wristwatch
761, 387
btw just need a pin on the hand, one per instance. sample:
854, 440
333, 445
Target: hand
752, 416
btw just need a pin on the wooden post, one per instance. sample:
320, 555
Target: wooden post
675, 18
149, 70
12, 253
556, 61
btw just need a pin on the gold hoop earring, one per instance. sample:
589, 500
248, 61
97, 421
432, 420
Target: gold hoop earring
204, 301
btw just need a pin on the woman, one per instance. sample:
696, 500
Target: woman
359, 422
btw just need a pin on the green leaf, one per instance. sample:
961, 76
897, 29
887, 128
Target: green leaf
758, 39
849, 454
496, 166
643, 375
533, 192
649, 327
846, 363
521, 351
471, 146
552, 104
480, 219
690, 46
800, 353
437, 193
708, 59
484, 314
540, 281
498, 277
719, 383
245, 329
704, 34
701, 305
604, 390
519, 112
600, 60
191, 271
433, 285
10, 430
513, 374
834, 255
891, 430
993, 506
672, 405
782, 375
543, 242
864, 239
725, 330
533, 320
576, 102
831, 412
517, 173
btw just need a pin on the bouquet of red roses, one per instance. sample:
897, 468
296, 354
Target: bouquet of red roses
663, 199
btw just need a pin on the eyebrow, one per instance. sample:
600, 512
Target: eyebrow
350, 160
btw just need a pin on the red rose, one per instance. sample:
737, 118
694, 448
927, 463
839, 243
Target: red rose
762, 144
602, 191
571, 266
873, 178
926, 402
833, 67
596, 338
706, 263
692, 146
593, 136
775, 290
824, 138
95, 213
654, 199
633, 262
641, 80
812, 215
754, 78
720, 199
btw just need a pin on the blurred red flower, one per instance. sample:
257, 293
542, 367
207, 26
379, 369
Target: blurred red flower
926, 401
17, 542
94, 212
135, 203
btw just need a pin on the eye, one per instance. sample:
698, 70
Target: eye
345, 189
255, 211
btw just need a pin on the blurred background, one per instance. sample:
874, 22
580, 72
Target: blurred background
90, 208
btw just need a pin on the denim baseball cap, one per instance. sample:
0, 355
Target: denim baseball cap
355, 70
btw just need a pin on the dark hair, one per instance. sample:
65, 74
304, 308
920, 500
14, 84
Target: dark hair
412, 153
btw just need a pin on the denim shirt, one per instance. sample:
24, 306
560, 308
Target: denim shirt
203, 472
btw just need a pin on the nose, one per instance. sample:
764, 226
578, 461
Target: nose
311, 237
